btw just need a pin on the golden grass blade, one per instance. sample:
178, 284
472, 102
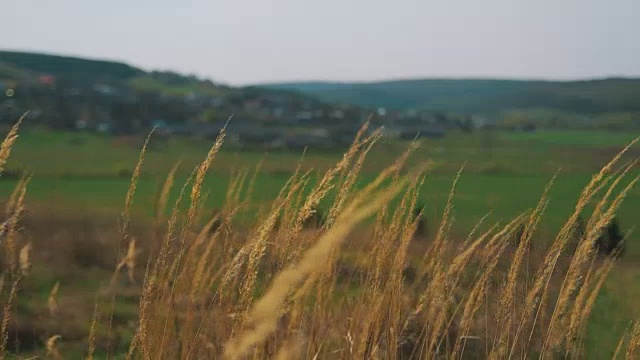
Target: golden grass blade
6, 316
634, 342
495, 248
92, 333
172, 224
233, 268
52, 300
9, 140
575, 318
145, 316
52, 348
433, 255
351, 177
362, 196
10, 228
557, 330
600, 277
452, 275
235, 188
601, 205
258, 248
133, 346
165, 191
129, 260
543, 274
616, 354
11, 203
508, 292
202, 171
588, 190
126, 214
326, 183
25, 259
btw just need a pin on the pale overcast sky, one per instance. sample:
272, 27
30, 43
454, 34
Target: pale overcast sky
242, 42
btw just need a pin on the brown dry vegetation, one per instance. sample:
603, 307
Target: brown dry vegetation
359, 285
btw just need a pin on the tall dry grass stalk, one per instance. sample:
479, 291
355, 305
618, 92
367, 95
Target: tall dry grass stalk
92, 334
164, 193
6, 317
265, 312
52, 347
634, 341
506, 311
129, 260
200, 175
25, 259
573, 278
496, 247
125, 259
543, 275
10, 208
434, 252
16, 265
10, 239
348, 288
9, 140
582, 311
126, 214
166, 274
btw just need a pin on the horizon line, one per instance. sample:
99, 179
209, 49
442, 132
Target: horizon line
331, 81
451, 77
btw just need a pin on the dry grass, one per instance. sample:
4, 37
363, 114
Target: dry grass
342, 290
15, 264
52, 348
7, 144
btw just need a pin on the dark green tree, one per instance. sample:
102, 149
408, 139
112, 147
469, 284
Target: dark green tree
611, 241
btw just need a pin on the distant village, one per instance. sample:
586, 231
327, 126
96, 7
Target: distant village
258, 118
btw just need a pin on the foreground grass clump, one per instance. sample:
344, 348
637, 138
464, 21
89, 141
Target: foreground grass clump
352, 286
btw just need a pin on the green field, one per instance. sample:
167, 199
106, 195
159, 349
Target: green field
505, 174
89, 171
576, 137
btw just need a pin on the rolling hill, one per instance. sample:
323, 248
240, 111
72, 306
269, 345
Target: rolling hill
448, 95
66, 66
480, 95
17, 65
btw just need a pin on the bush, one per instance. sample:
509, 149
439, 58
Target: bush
610, 242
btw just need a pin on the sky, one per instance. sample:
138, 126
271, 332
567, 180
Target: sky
247, 42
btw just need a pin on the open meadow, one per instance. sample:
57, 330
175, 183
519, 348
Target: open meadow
99, 261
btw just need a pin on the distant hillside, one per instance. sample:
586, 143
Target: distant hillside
591, 96
64, 92
66, 66
15, 65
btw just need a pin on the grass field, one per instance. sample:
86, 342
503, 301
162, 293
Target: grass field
79, 182
505, 180
575, 137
